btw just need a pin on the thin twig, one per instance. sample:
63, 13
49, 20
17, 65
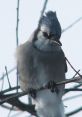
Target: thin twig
74, 111
17, 30
74, 69
77, 86
13, 100
7, 77
43, 10
72, 89
44, 7
10, 71
76, 73
12, 96
70, 26
2, 83
17, 95
72, 97
17, 25
9, 89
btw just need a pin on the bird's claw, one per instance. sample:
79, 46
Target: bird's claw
32, 92
52, 86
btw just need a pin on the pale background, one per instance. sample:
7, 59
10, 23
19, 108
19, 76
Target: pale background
67, 11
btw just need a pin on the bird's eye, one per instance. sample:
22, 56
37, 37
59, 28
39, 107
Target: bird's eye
45, 34
51, 35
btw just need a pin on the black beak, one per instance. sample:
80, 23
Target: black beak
59, 42
54, 38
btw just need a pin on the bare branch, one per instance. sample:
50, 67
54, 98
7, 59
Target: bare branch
7, 77
17, 95
15, 102
2, 83
17, 30
72, 89
9, 90
10, 71
72, 97
17, 25
43, 10
74, 69
44, 7
71, 25
74, 111
13, 98
75, 88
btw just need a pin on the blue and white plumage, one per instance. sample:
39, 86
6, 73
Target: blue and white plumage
41, 60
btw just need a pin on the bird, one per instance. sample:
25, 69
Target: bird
41, 61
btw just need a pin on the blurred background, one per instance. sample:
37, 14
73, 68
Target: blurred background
68, 11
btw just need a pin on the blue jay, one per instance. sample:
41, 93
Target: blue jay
41, 61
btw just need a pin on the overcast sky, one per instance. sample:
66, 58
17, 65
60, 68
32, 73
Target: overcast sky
67, 11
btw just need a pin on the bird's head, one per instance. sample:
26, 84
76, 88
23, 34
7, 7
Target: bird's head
49, 27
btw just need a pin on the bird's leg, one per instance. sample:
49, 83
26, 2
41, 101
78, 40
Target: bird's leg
32, 92
52, 86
